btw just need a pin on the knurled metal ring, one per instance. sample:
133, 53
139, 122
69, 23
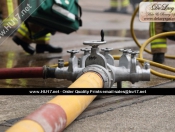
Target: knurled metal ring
101, 71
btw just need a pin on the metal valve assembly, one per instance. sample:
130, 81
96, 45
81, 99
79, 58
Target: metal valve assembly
101, 63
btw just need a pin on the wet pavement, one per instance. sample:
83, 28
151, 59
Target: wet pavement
127, 113
141, 34
13, 57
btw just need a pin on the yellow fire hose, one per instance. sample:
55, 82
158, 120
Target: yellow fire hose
67, 108
134, 36
61, 111
142, 48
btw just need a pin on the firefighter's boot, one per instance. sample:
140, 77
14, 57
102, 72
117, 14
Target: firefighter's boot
158, 57
123, 10
112, 9
29, 49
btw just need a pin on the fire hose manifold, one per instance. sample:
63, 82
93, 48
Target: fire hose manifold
78, 69
103, 64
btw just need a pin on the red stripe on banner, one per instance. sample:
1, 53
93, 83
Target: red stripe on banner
51, 117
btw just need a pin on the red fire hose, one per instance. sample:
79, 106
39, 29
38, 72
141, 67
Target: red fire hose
25, 72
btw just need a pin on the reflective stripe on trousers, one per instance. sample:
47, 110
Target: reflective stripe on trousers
23, 30
159, 42
114, 3
7, 8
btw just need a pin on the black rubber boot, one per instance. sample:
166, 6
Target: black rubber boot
114, 10
7, 32
123, 10
29, 49
41, 48
158, 57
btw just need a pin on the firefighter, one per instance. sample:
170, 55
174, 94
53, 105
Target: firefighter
7, 14
159, 45
22, 37
115, 6
134, 3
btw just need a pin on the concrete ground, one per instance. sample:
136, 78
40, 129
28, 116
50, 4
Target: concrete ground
105, 114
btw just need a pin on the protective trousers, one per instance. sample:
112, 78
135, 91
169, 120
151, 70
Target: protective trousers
115, 3
7, 8
24, 34
158, 45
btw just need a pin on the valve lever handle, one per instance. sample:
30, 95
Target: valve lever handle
86, 50
73, 51
102, 35
107, 49
125, 50
134, 52
96, 43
